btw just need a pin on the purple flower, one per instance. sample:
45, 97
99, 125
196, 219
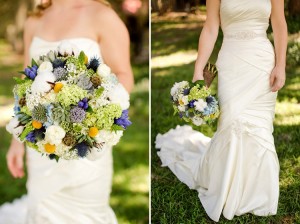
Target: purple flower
186, 92
83, 103
31, 72
77, 115
30, 137
180, 115
123, 121
191, 104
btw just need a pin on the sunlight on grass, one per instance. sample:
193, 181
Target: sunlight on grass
178, 58
287, 113
133, 179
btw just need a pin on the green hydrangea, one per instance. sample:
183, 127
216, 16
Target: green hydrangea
21, 88
90, 72
77, 129
196, 93
66, 126
70, 95
26, 110
103, 117
75, 61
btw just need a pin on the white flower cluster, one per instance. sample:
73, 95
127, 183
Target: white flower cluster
176, 90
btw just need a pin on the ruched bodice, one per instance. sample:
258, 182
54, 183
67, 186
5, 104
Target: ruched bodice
245, 15
237, 171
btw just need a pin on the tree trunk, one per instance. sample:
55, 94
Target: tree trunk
294, 7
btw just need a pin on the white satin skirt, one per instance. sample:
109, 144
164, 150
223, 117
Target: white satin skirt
64, 192
237, 171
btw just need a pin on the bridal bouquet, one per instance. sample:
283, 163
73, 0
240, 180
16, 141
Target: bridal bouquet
194, 102
69, 106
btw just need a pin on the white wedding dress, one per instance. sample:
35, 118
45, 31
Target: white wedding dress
68, 191
237, 171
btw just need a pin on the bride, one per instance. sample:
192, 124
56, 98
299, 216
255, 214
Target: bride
69, 191
237, 171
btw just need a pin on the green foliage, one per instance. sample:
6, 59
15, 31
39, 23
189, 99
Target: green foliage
81, 57
293, 53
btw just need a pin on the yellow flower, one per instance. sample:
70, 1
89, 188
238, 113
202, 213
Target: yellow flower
37, 124
58, 86
49, 148
93, 132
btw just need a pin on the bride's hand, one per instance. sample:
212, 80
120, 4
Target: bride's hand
198, 76
277, 78
14, 158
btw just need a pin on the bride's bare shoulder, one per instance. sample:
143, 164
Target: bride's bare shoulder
31, 24
106, 16
100, 10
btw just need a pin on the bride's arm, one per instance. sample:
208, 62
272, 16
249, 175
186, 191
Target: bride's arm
16, 149
208, 37
115, 47
277, 78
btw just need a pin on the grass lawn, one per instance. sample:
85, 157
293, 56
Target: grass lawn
171, 200
129, 197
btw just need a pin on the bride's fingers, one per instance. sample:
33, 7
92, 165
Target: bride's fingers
19, 166
277, 85
11, 166
272, 79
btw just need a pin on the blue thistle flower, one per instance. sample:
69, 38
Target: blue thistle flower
191, 104
82, 149
39, 133
180, 115
209, 99
123, 121
58, 63
94, 64
31, 137
186, 92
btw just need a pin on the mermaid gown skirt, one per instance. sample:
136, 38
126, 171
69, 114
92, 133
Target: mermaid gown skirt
237, 171
67, 191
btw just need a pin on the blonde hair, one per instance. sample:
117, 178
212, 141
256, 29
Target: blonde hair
40, 8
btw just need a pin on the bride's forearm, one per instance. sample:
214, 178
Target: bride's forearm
280, 32
207, 41
280, 42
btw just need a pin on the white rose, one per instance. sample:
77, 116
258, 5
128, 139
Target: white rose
119, 95
54, 134
13, 128
200, 105
181, 108
103, 70
197, 121
67, 48
46, 66
174, 89
41, 82
183, 100
110, 138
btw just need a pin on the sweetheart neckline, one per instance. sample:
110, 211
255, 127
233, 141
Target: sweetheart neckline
65, 39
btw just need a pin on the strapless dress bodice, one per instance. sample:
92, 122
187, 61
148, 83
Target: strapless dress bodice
244, 19
40, 46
